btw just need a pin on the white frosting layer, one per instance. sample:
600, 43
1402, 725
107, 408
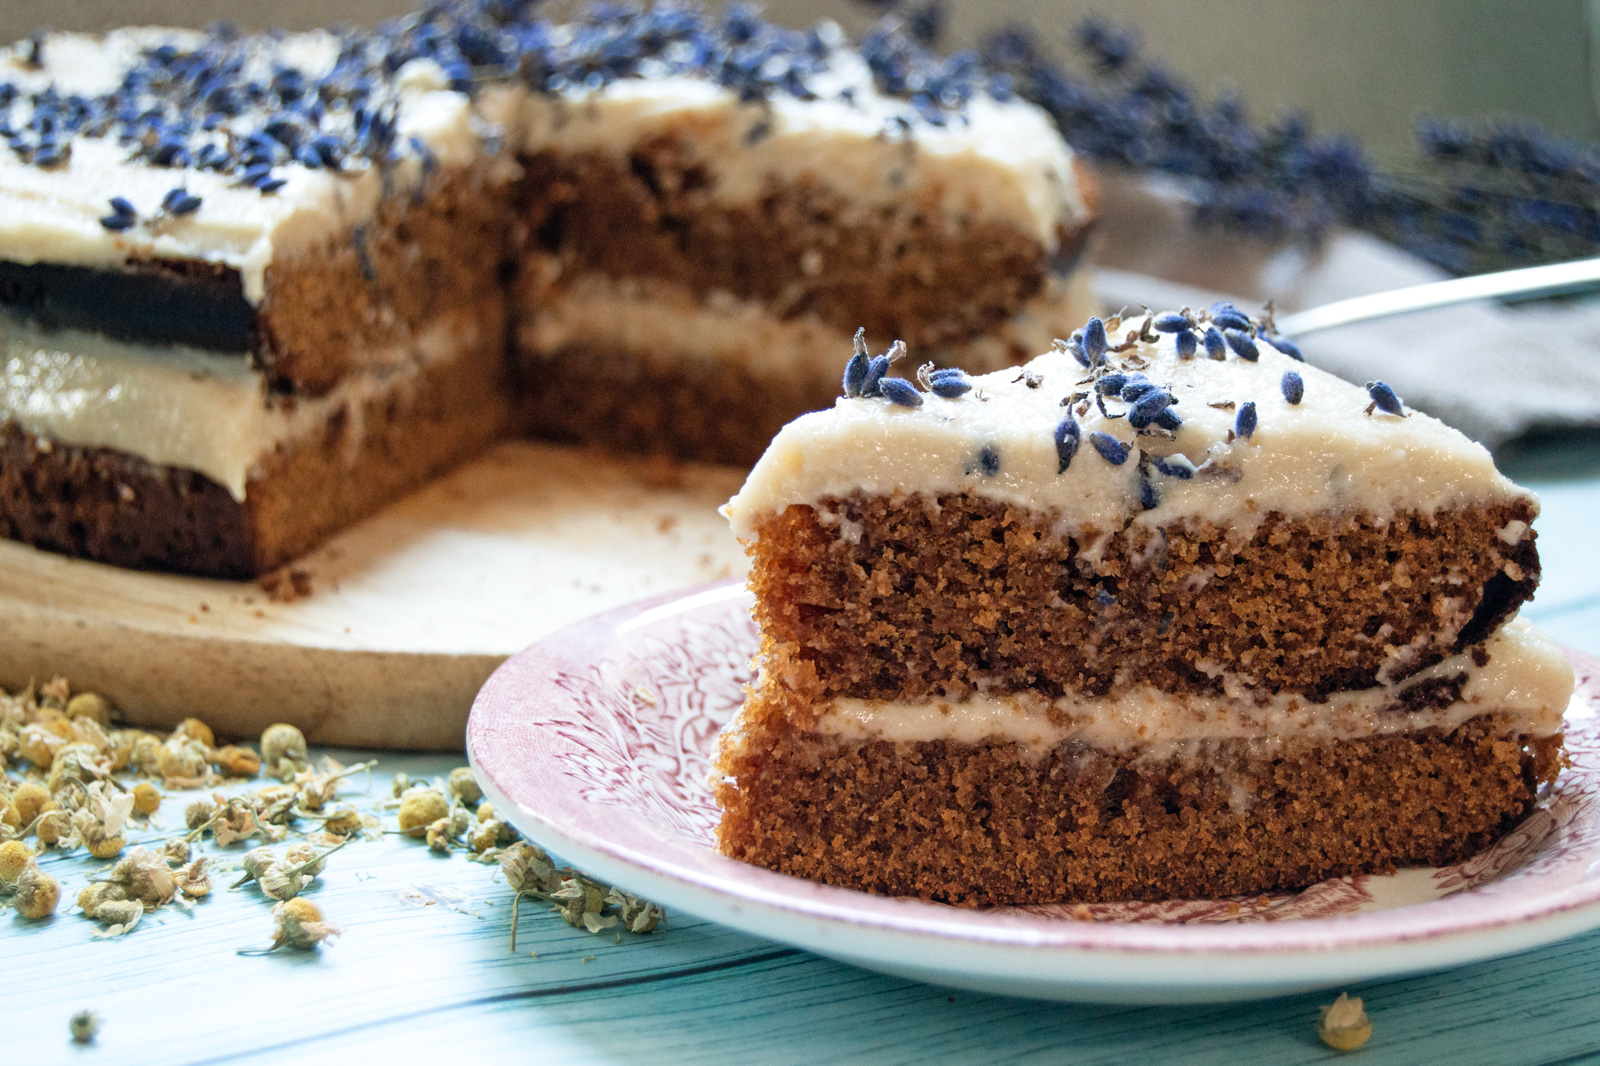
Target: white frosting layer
181, 407
1527, 678
1325, 454
672, 323
53, 215
1005, 162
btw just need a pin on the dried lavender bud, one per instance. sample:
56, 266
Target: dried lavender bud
122, 216
1111, 384
1294, 386
1187, 344
180, 202
989, 460
876, 368
855, 373
1287, 347
1175, 465
1384, 398
1074, 344
1094, 341
1168, 419
1151, 403
1230, 317
1245, 424
1242, 345
951, 384
1105, 599
1110, 448
1171, 322
1215, 346
1068, 437
900, 392
1149, 498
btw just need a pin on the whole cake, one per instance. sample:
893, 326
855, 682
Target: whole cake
253, 287
1162, 613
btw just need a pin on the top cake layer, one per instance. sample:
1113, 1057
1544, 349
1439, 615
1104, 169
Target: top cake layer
1153, 427
277, 143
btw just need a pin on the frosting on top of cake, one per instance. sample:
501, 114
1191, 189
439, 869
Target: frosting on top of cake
1125, 423
236, 150
1527, 678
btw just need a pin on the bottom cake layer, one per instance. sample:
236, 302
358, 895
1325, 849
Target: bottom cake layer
991, 824
108, 505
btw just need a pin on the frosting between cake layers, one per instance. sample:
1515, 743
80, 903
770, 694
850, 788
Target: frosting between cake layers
1527, 678
674, 324
181, 407
1323, 455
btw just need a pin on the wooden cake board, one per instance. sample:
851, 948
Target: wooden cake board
382, 637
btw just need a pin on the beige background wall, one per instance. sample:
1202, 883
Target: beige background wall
1367, 66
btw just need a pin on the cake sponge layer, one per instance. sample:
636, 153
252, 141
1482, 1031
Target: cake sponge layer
988, 824
903, 597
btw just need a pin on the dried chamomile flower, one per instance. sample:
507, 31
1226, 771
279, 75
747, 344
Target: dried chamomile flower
146, 798
97, 893
39, 745
402, 782
84, 1025
29, 799
90, 705
88, 731
420, 808
53, 827
299, 924
193, 880
99, 822
342, 822
234, 822
37, 893
199, 813
486, 811
15, 856
306, 857
439, 836
55, 692
183, 761
464, 787
195, 729
280, 744
486, 835
145, 876
234, 761
637, 915
528, 868
176, 849
120, 915
77, 762
145, 755
1344, 1025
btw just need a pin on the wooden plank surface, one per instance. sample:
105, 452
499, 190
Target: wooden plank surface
409, 982
407, 614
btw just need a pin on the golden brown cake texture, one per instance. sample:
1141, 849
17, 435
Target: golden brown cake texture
282, 233
1019, 664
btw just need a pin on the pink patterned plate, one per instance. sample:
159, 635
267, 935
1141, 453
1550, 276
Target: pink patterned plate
595, 743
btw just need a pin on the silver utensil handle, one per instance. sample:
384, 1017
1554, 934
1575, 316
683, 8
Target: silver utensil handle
1548, 280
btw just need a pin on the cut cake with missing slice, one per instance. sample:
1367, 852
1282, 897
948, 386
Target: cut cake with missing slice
1164, 613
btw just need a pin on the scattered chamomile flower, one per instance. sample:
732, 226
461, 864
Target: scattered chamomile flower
84, 1026
195, 729
234, 761
15, 856
298, 923
1344, 1025
464, 786
280, 744
420, 808
90, 705
37, 893
146, 798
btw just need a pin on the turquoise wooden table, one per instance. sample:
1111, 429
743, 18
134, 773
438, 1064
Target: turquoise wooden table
423, 971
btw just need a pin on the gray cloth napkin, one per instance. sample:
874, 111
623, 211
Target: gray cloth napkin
1493, 371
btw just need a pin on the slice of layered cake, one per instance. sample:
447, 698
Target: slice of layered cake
248, 292
1163, 613
716, 208
252, 287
